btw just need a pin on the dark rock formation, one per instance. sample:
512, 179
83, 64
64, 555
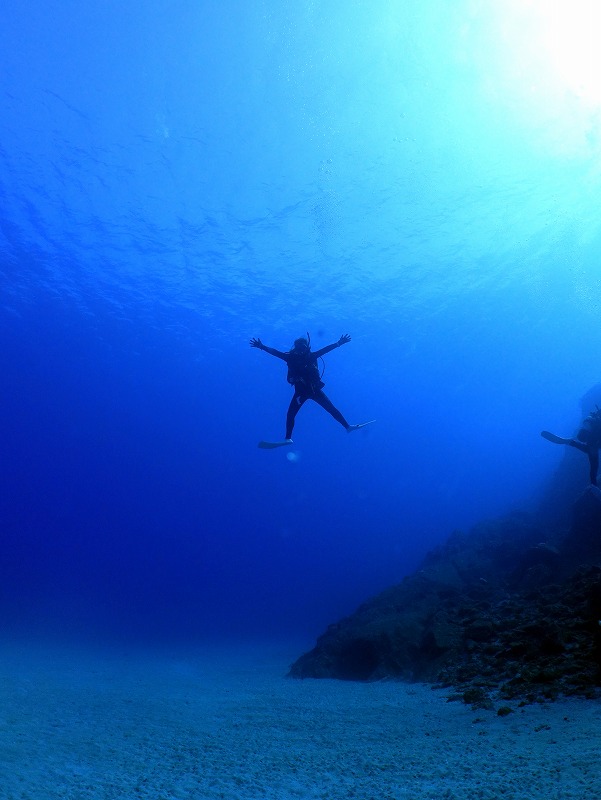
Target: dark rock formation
507, 609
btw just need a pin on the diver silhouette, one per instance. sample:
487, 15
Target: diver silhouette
304, 375
588, 440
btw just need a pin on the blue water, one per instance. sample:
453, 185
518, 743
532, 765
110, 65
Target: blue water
176, 178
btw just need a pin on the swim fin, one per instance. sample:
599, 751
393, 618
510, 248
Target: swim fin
551, 437
272, 445
360, 425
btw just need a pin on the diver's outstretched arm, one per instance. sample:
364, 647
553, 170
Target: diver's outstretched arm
271, 350
328, 348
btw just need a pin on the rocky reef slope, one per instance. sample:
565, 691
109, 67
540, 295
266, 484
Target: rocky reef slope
509, 608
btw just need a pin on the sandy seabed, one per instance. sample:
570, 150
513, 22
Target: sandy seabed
224, 723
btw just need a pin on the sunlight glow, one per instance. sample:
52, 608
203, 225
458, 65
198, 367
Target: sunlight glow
571, 36
564, 37
540, 62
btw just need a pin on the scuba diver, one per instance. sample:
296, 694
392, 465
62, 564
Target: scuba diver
303, 374
588, 440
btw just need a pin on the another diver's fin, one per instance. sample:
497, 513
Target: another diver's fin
551, 437
360, 425
272, 445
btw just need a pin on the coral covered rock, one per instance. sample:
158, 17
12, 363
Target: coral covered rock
499, 609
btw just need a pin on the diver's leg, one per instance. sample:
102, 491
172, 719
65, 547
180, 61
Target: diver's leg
593, 458
293, 409
321, 399
579, 446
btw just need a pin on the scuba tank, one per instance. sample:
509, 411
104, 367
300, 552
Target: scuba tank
302, 366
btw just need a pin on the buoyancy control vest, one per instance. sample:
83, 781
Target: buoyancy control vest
303, 369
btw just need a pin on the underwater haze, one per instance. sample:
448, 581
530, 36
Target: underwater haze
178, 177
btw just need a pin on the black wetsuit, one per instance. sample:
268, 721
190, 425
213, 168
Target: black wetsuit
589, 442
303, 374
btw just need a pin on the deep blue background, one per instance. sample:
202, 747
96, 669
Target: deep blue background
178, 177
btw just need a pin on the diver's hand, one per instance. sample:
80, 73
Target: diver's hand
257, 343
343, 339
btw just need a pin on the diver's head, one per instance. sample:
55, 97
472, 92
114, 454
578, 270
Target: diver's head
594, 419
301, 345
